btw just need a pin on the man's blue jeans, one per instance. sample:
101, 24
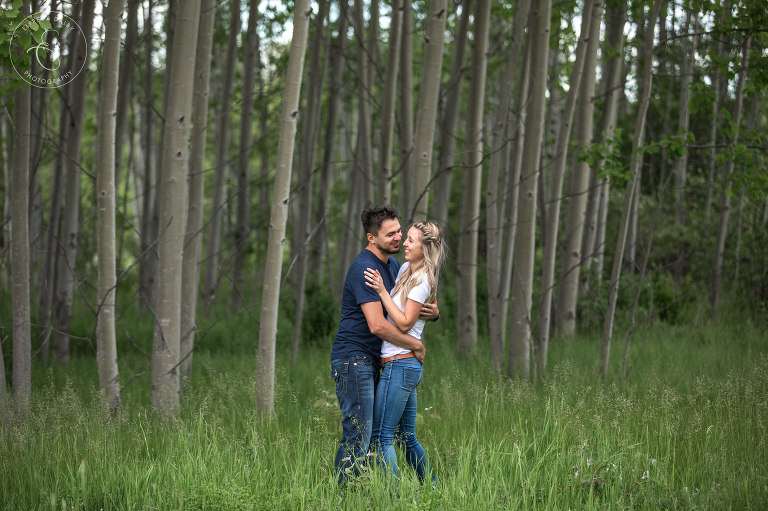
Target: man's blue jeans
355, 386
396, 406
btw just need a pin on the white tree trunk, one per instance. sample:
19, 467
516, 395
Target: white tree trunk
193, 238
646, 78
388, 108
215, 224
68, 233
725, 208
450, 120
429, 94
166, 339
473, 176
265, 363
406, 111
571, 259
22, 344
525, 243
106, 342
585, 55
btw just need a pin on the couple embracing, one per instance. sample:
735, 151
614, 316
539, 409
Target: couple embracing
377, 356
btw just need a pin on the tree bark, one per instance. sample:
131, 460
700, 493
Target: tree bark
429, 94
21, 382
681, 164
646, 78
123, 99
148, 231
304, 231
193, 238
243, 195
68, 234
577, 208
725, 208
388, 108
265, 362
450, 120
522, 276
336, 84
613, 84
166, 339
473, 176
106, 342
406, 111
497, 281
215, 223
585, 56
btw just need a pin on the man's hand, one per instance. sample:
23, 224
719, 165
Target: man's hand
420, 351
429, 311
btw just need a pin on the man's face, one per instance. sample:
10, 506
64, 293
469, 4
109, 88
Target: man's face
388, 238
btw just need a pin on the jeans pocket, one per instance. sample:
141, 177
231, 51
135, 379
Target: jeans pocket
339, 375
411, 377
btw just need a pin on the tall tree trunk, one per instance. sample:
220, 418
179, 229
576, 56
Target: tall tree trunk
265, 362
577, 208
646, 79
193, 238
310, 128
725, 208
148, 264
429, 94
363, 163
123, 99
242, 226
585, 56
106, 342
68, 234
450, 120
525, 242
473, 176
719, 91
388, 108
498, 287
336, 84
613, 83
406, 111
682, 163
22, 344
170, 244
5, 146
215, 224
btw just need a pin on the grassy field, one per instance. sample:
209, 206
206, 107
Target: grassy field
687, 430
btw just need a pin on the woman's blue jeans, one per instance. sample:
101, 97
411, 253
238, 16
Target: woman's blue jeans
395, 406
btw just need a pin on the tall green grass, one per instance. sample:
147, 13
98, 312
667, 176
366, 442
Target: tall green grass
687, 430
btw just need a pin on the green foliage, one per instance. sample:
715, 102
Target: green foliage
321, 315
604, 153
17, 34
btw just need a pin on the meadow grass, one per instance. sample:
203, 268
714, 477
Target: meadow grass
687, 430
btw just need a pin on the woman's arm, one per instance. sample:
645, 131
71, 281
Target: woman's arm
403, 320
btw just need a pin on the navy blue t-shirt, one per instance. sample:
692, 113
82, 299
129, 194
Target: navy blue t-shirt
354, 338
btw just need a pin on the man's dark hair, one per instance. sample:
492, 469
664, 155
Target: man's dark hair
373, 216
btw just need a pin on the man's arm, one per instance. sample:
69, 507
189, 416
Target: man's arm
429, 311
380, 327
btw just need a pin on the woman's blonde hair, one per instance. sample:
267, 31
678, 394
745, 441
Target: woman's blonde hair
433, 245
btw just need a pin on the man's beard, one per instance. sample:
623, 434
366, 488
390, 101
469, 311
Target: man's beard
388, 249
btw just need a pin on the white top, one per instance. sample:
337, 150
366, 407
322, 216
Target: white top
419, 293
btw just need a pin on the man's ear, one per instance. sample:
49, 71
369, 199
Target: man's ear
369, 237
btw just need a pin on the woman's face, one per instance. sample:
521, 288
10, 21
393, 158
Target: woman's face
414, 252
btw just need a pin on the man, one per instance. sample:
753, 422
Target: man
355, 354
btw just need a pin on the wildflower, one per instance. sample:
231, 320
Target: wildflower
653, 461
645, 475
590, 462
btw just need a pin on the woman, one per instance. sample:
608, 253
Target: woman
395, 403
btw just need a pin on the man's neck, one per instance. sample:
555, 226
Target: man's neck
383, 256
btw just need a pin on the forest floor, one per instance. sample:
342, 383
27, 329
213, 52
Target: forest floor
685, 430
